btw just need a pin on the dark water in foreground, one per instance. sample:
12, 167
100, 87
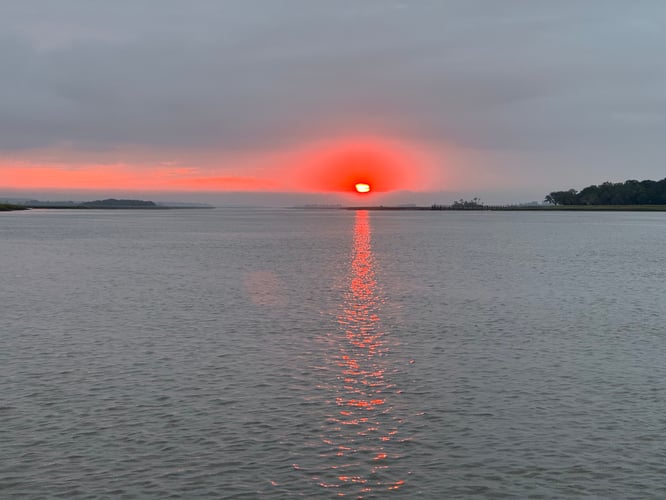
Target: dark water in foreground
238, 354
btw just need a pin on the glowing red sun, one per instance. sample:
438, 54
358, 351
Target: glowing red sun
360, 165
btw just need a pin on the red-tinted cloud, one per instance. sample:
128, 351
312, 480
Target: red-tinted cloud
122, 177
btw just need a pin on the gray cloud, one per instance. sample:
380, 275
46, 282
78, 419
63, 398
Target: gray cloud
583, 80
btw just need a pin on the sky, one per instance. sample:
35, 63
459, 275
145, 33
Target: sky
290, 101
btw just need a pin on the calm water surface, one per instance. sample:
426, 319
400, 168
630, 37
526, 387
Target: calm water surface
258, 353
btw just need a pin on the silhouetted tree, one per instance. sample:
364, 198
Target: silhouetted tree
562, 197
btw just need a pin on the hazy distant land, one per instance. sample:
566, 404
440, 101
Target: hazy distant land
106, 204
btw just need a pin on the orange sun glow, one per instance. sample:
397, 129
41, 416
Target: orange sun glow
360, 165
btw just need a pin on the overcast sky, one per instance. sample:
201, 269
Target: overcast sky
507, 99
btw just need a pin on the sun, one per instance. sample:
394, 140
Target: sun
362, 187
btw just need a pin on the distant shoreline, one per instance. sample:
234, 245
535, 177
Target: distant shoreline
527, 208
101, 207
7, 207
106, 204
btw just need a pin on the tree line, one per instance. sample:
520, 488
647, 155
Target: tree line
630, 192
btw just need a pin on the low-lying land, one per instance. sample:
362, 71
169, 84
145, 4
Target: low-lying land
8, 207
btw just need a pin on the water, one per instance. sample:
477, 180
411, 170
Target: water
247, 353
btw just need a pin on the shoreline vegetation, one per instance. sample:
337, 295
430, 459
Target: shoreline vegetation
628, 193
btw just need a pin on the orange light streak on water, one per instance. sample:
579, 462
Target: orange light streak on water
363, 427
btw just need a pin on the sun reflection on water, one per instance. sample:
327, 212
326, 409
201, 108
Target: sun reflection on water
361, 430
